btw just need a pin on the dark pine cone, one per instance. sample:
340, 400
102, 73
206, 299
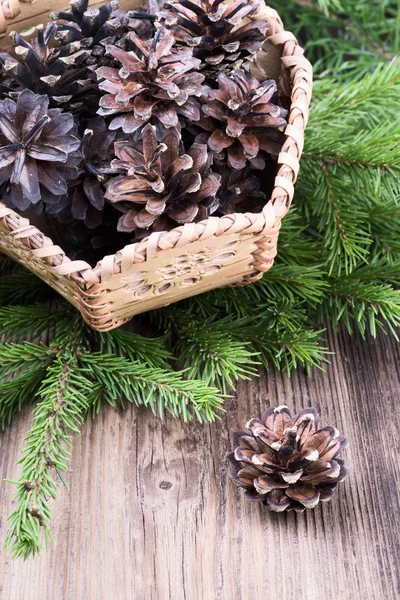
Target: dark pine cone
87, 192
154, 81
216, 31
243, 119
38, 152
239, 192
161, 180
59, 72
83, 23
287, 462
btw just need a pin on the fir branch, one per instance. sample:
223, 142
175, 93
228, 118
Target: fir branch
341, 38
327, 8
150, 351
376, 148
340, 221
161, 389
31, 321
366, 304
385, 226
19, 392
296, 246
65, 397
7, 265
300, 282
286, 348
207, 350
356, 102
22, 368
23, 288
27, 355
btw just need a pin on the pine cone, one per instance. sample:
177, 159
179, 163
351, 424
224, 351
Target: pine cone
161, 177
216, 31
83, 23
60, 73
156, 81
239, 192
38, 152
83, 243
87, 192
287, 462
243, 118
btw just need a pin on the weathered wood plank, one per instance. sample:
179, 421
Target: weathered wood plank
150, 513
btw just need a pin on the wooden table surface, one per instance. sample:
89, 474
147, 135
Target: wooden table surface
151, 515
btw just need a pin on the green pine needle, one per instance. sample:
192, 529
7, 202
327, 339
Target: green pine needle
163, 390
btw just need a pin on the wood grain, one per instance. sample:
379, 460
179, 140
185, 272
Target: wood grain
150, 513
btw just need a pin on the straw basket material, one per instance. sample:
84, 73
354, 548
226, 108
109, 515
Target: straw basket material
191, 259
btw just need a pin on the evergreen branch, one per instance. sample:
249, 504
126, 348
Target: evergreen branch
356, 101
19, 392
326, 7
296, 247
32, 321
22, 368
385, 227
133, 346
370, 304
160, 389
377, 148
207, 350
342, 38
287, 349
302, 282
22, 288
340, 220
7, 265
64, 399
22, 356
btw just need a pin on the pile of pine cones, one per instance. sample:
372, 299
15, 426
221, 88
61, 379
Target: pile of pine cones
115, 124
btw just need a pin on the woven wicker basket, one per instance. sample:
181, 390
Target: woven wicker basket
191, 259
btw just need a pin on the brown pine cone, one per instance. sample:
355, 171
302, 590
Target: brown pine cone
216, 30
38, 152
84, 23
60, 72
87, 191
243, 119
156, 80
287, 462
161, 177
239, 192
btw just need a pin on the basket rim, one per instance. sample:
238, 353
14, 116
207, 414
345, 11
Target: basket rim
292, 58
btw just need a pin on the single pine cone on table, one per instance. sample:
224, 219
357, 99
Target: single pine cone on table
286, 462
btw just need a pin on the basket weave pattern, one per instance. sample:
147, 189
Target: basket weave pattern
191, 259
